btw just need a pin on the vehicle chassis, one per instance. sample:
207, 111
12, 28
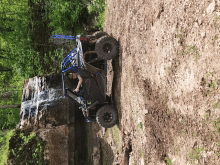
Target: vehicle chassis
85, 60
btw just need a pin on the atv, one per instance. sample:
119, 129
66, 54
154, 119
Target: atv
89, 60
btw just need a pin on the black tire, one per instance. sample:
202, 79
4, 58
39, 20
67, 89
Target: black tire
107, 116
99, 34
107, 47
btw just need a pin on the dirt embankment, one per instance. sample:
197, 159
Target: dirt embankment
166, 83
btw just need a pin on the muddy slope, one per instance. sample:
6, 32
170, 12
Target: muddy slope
166, 81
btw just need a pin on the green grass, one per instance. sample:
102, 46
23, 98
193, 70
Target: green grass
216, 105
168, 161
194, 154
216, 125
142, 154
116, 133
4, 145
192, 50
207, 114
141, 125
180, 37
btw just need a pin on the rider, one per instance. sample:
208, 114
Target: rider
74, 75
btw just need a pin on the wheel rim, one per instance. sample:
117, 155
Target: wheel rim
107, 48
108, 117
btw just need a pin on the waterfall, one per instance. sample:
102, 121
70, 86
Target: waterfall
37, 96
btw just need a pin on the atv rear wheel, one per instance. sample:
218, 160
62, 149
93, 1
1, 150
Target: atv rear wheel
107, 47
107, 116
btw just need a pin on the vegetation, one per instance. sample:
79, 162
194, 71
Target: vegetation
192, 50
27, 50
26, 148
142, 154
4, 143
141, 125
168, 161
194, 154
100, 7
116, 137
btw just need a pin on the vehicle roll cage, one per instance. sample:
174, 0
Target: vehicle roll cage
74, 62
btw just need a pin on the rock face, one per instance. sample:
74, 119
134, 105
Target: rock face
37, 99
45, 111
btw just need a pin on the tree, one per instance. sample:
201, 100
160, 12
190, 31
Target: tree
5, 69
10, 106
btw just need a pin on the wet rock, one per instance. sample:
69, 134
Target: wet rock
211, 8
46, 111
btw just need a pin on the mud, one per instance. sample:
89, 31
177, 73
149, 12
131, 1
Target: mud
165, 82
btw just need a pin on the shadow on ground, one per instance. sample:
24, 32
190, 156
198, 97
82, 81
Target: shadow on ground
116, 84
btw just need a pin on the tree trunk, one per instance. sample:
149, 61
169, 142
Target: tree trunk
10, 106
6, 94
5, 70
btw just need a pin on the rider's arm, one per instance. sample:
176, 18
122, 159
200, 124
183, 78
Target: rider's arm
79, 84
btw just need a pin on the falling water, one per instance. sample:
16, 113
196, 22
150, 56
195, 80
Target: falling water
37, 96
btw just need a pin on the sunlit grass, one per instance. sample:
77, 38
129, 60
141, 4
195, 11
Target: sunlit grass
4, 144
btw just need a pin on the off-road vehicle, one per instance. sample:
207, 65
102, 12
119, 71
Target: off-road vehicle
89, 60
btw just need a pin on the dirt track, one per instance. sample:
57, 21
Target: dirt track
166, 83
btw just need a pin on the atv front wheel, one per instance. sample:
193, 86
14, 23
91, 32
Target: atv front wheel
107, 47
107, 116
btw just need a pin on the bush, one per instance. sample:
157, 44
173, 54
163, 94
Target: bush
26, 148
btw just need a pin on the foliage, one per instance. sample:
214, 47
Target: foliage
26, 28
26, 148
26, 50
98, 7
4, 145
100, 20
9, 118
14, 47
10, 94
65, 15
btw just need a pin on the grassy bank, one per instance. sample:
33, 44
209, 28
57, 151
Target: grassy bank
4, 145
